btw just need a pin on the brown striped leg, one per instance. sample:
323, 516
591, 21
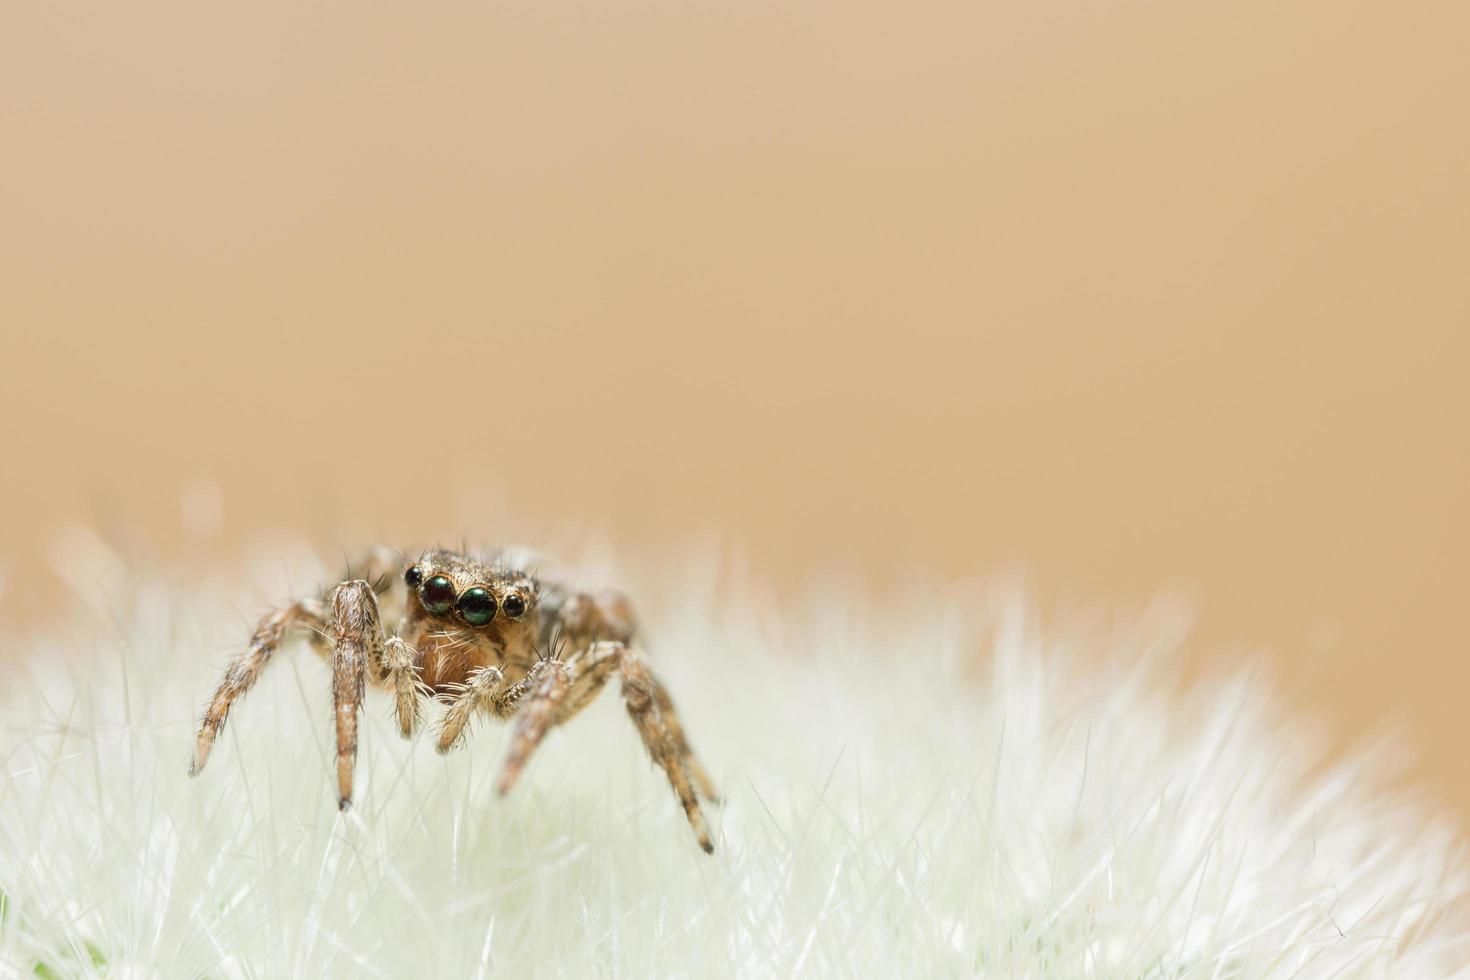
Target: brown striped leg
549, 682
398, 663
562, 691
653, 715
609, 616
671, 721
357, 638
246, 670
591, 672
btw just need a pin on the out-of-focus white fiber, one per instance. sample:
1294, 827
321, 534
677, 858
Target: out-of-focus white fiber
935, 788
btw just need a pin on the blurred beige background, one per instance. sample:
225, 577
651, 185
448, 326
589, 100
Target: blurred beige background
1135, 296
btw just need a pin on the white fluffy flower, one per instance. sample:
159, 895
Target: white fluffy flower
941, 789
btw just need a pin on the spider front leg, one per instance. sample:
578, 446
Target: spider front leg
346, 630
397, 664
562, 690
356, 633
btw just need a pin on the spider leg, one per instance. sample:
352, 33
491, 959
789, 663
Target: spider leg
352, 628
397, 666
671, 721
658, 725
609, 615
359, 650
561, 691
246, 670
549, 682
484, 690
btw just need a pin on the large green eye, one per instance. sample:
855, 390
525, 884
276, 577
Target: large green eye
438, 595
477, 606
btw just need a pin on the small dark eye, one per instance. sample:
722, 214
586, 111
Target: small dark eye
438, 595
514, 605
413, 576
477, 606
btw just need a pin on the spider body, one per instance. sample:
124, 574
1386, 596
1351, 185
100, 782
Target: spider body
481, 635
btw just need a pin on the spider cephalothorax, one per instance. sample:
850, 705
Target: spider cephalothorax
481, 635
461, 612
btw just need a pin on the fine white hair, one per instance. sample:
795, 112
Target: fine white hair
942, 786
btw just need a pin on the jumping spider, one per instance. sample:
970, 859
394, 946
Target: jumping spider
483, 636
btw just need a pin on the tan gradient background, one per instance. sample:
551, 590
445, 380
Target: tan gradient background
1136, 296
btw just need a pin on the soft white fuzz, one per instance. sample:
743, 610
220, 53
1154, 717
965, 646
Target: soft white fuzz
935, 788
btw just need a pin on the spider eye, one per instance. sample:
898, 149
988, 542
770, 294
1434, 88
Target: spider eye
514, 605
477, 606
413, 577
438, 595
